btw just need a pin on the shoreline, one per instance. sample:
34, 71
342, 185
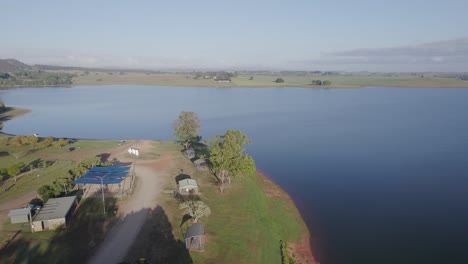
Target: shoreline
301, 249
194, 85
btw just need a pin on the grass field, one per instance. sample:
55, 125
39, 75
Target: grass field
338, 81
63, 160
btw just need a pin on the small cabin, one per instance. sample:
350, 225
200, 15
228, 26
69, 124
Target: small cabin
189, 153
195, 237
56, 213
21, 215
200, 164
188, 186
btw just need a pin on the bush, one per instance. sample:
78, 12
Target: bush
279, 80
45, 192
47, 142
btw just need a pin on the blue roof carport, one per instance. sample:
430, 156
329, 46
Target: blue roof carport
104, 175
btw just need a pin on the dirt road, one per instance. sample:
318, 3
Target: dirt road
132, 215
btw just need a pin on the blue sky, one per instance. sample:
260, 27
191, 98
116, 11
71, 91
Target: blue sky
309, 35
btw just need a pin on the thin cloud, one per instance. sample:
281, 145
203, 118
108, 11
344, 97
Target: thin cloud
450, 55
103, 60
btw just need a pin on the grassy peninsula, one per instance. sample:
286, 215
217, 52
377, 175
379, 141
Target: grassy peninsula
248, 220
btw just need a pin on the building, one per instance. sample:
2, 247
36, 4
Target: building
189, 153
188, 186
21, 215
195, 237
56, 213
200, 164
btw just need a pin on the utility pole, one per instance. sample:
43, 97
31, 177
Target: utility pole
102, 191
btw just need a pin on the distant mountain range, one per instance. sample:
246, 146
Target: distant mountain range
10, 65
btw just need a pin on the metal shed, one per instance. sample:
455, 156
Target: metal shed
56, 213
21, 215
189, 153
195, 237
188, 186
200, 164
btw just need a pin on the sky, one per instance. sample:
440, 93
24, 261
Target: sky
367, 35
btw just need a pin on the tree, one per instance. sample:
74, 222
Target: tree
62, 142
20, 140
227, 156
250, 78
195, 209
186, 128
326, 82
279, 80
47, 141
32, 139
2, 104
45, 192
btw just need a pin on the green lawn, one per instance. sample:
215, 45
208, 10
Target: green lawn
63, 161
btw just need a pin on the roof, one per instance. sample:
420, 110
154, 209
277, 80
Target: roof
195, 230
187, 183
55, 208
19, 211
108, 175
199, 162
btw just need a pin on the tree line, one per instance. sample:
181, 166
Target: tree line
217, 76
35, 141
35, 78
314, 82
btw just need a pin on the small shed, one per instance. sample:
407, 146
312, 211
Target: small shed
195, 237
20, 215
188, 186
200, 164
56, 213
189, 153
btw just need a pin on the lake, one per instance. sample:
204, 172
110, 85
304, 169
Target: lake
380, 175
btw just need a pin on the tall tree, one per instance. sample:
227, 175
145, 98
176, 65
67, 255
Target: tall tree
228, 158
186, 128
195, 209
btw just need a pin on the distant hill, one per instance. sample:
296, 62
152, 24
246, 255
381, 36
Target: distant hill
10, 65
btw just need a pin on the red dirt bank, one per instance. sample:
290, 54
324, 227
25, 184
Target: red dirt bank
302, 249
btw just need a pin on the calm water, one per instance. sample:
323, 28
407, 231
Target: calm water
380, 174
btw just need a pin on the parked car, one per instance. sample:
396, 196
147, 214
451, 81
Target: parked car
71, 149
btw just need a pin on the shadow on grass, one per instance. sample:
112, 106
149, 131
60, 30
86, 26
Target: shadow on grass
103, 157
156, 242
86, 229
